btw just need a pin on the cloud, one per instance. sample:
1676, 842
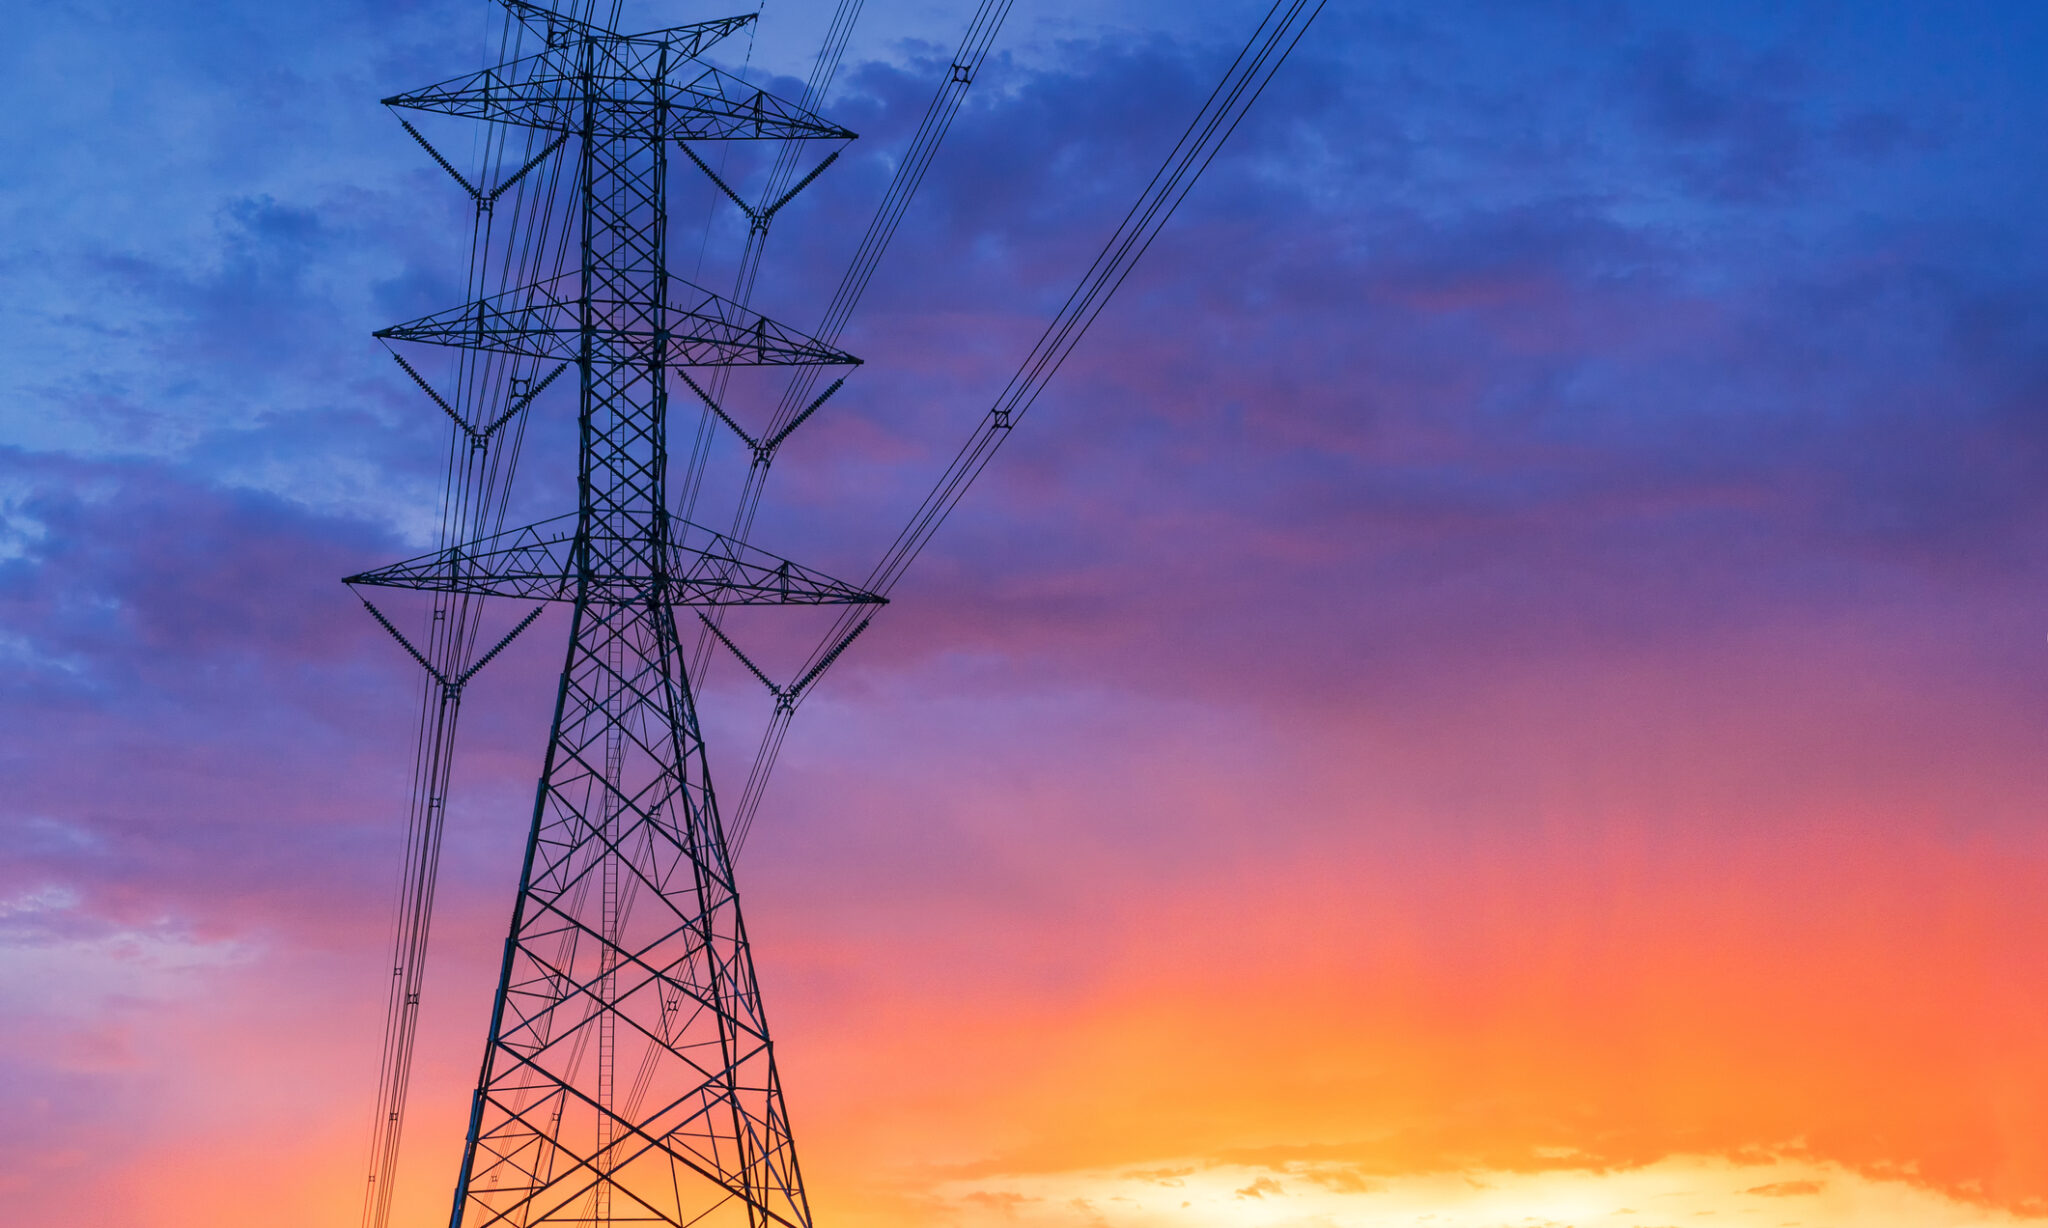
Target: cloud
1343, 1178
1000, 1200
1786, 1189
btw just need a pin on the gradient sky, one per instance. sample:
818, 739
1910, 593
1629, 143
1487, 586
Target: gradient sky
1504, 685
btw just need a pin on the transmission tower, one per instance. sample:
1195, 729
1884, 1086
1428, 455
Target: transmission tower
629, 1073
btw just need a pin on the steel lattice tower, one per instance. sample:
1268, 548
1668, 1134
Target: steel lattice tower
629, 1074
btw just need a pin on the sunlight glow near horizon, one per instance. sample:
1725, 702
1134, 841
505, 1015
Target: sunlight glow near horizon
1782, 1193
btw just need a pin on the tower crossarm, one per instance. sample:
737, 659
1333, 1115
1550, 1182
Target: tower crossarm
539, 563
647, 85
559, 28
692, 327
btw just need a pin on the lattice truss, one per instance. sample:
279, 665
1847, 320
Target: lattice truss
629, 1073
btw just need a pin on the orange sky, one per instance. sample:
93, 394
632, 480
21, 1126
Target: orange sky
1718, 969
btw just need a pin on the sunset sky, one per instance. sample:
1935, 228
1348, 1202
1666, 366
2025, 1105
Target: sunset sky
1504, 686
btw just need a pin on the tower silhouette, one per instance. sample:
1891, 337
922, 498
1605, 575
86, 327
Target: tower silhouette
629, 1073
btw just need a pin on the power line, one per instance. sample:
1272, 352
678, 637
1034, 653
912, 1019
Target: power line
1240, 86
